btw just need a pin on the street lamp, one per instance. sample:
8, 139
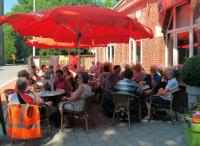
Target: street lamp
33, 37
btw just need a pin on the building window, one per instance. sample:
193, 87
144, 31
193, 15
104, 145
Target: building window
182, 37
134, 51
183, 47
110, 52
138, 51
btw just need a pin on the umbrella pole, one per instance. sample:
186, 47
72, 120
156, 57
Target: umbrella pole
68, 56
78, 56
79, 41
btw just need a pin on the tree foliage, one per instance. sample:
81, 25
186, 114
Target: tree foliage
8, 43
16, 44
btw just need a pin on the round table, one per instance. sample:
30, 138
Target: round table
57, 92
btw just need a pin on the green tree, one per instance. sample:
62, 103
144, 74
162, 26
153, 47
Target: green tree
23, 51
8, 43
109, 3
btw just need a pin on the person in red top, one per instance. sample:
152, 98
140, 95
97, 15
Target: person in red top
62, 83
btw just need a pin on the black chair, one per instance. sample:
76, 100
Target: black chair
107, 102
173, 104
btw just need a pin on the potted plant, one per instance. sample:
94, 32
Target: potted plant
190, 75
191, 124
177, 72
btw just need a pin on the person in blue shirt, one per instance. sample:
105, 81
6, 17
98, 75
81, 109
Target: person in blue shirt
151, 81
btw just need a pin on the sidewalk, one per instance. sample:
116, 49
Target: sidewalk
8, 75
103, 133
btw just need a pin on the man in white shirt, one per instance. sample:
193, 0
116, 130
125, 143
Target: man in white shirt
163, 96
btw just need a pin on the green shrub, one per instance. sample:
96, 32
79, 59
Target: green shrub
191, 71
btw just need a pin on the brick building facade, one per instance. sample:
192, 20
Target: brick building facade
175, 34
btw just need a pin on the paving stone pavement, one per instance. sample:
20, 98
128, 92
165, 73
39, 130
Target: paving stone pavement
103, 133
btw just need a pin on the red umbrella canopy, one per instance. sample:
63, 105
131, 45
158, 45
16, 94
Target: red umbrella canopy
89, 24
46, 43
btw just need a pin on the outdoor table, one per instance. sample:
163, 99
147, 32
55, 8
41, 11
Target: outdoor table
53, 96
49, 94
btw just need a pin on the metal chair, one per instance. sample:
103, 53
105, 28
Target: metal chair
83, 114
44, 116
7, 92
122, 104
171, 105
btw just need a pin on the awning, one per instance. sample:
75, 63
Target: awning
163, 5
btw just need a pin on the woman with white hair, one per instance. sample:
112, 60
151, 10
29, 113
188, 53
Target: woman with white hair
163, 97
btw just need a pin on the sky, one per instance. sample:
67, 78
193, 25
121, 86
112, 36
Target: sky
8, 4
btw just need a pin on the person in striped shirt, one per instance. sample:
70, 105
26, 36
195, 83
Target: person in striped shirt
126, 85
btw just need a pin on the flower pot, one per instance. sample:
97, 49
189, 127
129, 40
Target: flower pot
193, 93
192, 134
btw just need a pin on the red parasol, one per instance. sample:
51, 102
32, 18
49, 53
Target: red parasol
46, 43
80, 24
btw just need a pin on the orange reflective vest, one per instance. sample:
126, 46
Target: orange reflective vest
24, 121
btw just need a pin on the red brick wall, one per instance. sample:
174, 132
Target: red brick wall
118, 54
153, 50
100, 54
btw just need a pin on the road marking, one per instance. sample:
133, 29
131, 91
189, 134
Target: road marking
4, 84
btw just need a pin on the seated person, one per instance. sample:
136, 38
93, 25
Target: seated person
163, 97
82, 90
127, 85
30, 89
76, 98
62, 83
114, 77
43, 71
20, 96
138, 73
67, 74
34, 74
126, 66
105, 75
152, 80
25, 74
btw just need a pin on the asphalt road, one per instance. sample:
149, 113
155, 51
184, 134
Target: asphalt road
9, 73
